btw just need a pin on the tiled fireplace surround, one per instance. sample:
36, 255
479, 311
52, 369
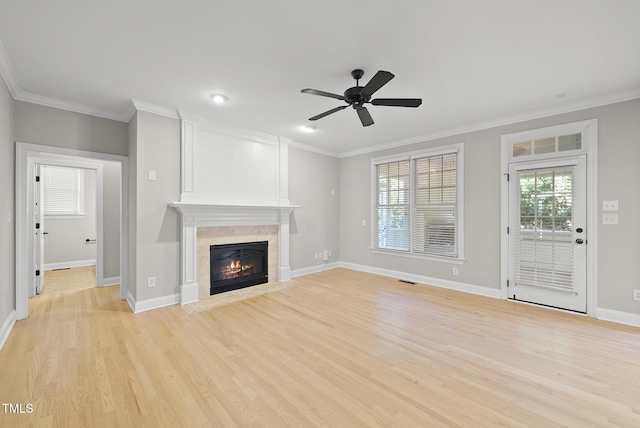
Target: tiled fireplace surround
210, 224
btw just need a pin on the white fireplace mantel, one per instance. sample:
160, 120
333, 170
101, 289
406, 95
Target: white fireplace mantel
195, 215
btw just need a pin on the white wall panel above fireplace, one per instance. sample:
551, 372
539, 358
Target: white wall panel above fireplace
228, 166
236, 170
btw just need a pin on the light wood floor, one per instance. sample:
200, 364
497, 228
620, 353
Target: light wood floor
340, 349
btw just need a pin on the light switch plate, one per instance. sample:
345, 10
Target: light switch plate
609, 218
609, 205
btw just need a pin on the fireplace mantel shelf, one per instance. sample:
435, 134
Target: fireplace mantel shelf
192, 208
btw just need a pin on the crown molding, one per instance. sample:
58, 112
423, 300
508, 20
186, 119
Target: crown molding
6, 72
509, 120
314, 149
152, 108
69, 106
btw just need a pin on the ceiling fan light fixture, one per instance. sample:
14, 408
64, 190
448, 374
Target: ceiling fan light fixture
219, 98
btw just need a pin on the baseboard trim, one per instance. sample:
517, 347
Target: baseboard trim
106, 282
69, 265
437, 282
314, 269
150, 304
618, 317
7, 327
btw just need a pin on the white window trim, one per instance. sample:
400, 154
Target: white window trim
441, 150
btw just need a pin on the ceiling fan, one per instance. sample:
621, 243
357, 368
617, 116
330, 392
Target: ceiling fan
358, 96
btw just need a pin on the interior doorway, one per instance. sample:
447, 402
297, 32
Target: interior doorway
30, 155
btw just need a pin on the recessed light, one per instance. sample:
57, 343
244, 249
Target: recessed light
219, 98
308, 128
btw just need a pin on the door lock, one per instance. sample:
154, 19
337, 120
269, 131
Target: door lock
579, 241
579, 230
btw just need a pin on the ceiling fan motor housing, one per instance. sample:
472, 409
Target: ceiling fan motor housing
354, 96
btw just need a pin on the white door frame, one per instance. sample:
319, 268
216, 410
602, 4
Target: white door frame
27, 155
589, 130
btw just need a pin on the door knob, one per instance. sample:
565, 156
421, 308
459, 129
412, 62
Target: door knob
579, 241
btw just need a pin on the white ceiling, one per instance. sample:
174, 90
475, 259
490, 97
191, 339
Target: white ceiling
474, 63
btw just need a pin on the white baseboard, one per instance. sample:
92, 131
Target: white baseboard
106, 282
69, 265
618, 317
314, 269
149, 304
189, 293
131, 301
7, 326
437, 282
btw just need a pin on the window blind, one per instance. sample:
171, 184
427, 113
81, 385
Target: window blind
392, 205
545, 254
63, 190
436, 205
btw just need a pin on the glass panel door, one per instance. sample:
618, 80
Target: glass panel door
547, 236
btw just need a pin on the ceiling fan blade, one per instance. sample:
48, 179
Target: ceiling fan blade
378, 81
397, 102
322, 93
327, 113
365, 117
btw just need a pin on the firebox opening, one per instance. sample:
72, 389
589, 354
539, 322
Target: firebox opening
235, 266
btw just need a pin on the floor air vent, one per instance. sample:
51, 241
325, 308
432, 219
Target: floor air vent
406, 282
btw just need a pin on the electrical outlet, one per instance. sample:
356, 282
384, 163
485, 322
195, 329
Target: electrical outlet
609, 205
456, 272
636, 294
151, 281
609, 218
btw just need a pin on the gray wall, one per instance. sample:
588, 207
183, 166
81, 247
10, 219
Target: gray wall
111, 219
618, 246
54, 127
316, 225
157, 226
7, 204
65, 243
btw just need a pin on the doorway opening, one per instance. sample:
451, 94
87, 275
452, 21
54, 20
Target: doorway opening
68, 211
111, 221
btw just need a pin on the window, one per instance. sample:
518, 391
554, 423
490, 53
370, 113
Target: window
560, 143
418, 203
63, 190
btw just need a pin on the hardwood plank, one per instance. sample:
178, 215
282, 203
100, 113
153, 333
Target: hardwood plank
340, 348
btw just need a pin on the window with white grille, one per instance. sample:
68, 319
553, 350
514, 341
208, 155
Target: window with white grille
418, 203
